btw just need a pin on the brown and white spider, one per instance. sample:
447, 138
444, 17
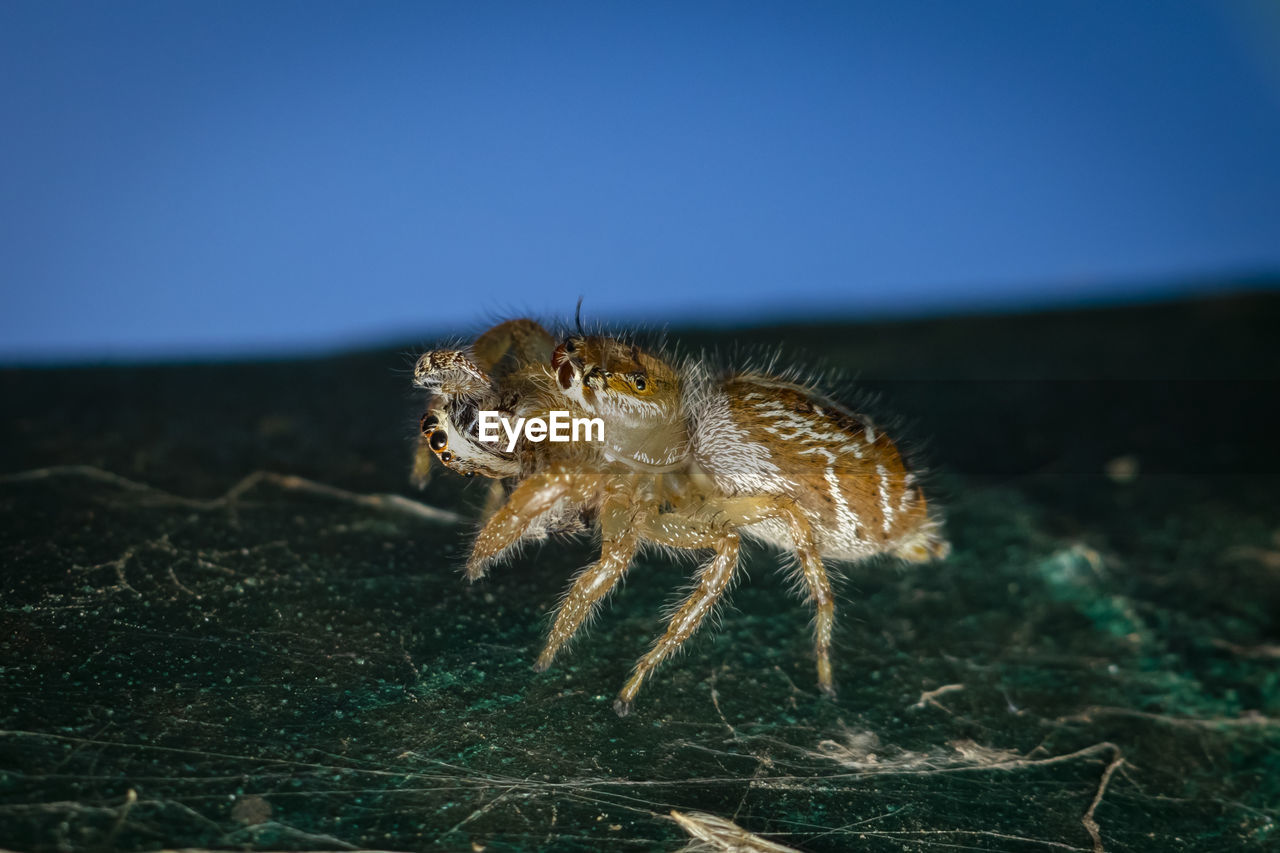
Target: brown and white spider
691, 459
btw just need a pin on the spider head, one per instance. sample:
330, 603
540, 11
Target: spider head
607, 376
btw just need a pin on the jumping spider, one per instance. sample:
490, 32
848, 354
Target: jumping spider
690, 459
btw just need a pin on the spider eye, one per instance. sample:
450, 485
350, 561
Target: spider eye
570, 346
639, 383
439, 440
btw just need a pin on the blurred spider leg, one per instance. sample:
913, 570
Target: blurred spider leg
512, 520
493, 499
621, 539
713, 580
523, 339
423, 458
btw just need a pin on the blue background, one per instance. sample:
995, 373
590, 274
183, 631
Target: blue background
227, 177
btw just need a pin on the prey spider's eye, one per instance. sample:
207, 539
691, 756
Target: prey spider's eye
439, 440
639, 383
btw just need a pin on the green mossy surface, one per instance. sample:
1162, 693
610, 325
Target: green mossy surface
276, 668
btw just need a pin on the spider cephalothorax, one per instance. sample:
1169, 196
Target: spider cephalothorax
636, 392
690, 459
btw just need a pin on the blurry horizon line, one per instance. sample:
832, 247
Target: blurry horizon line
1130, 292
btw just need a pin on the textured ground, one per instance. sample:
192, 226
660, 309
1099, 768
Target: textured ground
190, 658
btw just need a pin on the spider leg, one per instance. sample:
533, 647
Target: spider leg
493, 499
824, 606
622, 531
713, 580
511, 521
522, 339
423, 458
744, 511
680, 530
621, 540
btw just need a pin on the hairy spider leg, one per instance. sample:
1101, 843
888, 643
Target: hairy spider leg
624, 528
824, 605
620, 529
713, 580
510, 522
745, 511
733, 514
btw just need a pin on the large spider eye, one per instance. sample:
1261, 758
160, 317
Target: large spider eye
428, 424
439, 440
639, 383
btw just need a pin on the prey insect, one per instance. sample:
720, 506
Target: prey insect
691, 459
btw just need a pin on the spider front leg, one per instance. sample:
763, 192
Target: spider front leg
511, 522
619, 523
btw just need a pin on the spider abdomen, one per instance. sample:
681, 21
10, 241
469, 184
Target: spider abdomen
758, 435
